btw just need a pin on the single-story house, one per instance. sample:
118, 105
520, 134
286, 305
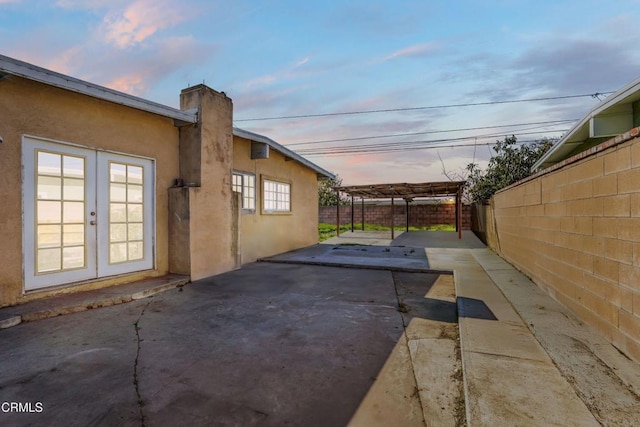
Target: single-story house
100, 187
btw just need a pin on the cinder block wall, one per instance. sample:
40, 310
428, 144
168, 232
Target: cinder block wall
419, 215
575, 230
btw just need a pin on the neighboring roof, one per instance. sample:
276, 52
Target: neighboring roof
42, 75
282, 149
611, 117
403, 190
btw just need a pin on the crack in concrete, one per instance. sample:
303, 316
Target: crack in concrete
460, 404
406, 338
135, 365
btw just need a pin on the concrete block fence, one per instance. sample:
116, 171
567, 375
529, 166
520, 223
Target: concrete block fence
575, 230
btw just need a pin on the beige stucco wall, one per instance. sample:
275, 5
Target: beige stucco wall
265, 234
206, 163
31, 108
576, 232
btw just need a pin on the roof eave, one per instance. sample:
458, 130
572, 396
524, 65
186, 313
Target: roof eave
322, 173
52, 78
550, 157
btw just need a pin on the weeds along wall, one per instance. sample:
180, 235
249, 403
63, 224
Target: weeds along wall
575, 230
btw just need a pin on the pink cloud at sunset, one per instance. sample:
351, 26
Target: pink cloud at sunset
140, 20
417, 50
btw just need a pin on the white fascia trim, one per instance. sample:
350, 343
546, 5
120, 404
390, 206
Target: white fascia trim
282, 149
612, 100
42, 75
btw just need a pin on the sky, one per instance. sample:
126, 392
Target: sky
427, 60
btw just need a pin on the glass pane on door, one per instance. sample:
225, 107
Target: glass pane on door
126, 226
60, 207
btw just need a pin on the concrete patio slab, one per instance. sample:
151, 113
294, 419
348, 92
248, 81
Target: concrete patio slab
270, 344
354, 255
420, 384
394, 398
438, 239
289, 343
360, 237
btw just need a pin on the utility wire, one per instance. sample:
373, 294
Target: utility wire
415, 148
396, 146
430, 132
405, 143
388, 110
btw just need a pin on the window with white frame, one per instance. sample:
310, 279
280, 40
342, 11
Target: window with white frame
245, 184
276, 196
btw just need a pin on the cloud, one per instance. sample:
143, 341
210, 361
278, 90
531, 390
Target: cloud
117, 71
135, 72
374, 20
558, 63
261, 81
302, 62
92, 5
146, 55
415, 51
261, 98
288, 72
140, 20
578, 66
132, 83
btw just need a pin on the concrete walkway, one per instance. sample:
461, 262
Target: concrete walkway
527, 360
509, 378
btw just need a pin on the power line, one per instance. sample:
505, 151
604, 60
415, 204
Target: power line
407, 143
397, 146
430, 132
417, 148
389, 110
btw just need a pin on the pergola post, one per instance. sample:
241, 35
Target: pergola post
407, 211
352, 213
393, 232
459, 213
362, 205
337, 212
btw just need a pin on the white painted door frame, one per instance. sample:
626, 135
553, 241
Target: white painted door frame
82, 218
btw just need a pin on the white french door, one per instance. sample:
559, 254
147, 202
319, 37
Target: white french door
87, 213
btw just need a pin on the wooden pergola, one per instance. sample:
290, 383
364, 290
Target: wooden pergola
406, 191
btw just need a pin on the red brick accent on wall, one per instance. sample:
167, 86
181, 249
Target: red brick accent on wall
420, 215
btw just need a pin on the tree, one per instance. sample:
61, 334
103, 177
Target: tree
510, 164
327, 195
